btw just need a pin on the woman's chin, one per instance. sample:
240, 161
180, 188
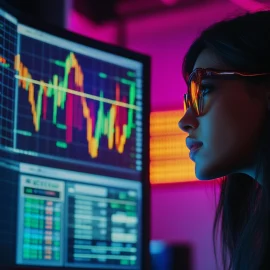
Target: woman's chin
207, 173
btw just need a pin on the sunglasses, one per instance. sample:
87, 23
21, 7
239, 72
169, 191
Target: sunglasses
194, 96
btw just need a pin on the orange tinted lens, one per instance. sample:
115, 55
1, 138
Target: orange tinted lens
186, 105
194, 94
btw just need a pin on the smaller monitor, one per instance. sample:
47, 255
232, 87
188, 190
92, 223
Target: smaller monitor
65, 218
170, 256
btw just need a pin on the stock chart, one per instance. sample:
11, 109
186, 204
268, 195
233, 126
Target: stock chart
74, 106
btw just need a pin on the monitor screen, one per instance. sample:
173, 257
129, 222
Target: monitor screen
73, 150
170, 256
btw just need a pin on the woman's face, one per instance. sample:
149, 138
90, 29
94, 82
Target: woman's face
230, 127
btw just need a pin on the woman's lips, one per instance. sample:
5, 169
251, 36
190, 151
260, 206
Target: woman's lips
194, 150
195, 146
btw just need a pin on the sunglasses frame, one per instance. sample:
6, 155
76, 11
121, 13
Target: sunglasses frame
197, 103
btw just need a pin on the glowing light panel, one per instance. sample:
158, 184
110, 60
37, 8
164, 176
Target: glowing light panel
169, 156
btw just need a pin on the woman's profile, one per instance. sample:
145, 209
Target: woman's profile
227, 120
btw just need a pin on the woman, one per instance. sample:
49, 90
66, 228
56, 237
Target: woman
227, 119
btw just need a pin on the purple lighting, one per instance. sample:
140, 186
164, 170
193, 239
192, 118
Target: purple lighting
169, 2
250, 5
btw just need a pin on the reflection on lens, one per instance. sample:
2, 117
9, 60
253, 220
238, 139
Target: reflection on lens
186, 105
194, 92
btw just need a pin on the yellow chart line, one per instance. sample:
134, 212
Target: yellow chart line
89, 96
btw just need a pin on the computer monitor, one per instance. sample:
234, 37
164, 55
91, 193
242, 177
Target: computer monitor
74, 150
170, 256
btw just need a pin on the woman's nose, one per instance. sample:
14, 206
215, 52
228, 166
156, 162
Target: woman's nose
188, 121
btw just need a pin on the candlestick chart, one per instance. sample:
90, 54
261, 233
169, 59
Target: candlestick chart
73, 106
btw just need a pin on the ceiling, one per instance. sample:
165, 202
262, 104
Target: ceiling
132, 8
103, 10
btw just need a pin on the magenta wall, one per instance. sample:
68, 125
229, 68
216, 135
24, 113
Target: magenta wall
180, 212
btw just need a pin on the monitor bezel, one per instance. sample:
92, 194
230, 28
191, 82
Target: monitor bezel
36, 23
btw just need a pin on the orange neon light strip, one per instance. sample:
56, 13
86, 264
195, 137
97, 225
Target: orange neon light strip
169, 159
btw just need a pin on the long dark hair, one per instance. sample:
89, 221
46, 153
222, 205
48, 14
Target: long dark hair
243, 210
